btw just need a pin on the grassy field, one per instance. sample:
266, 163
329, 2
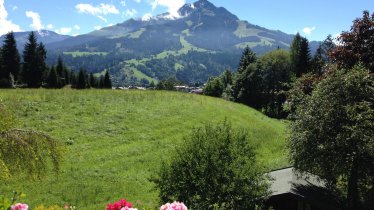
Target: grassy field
120, 138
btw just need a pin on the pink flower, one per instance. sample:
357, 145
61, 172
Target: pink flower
120, 205
19, 206
174, 206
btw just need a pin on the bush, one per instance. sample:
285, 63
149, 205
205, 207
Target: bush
215, 168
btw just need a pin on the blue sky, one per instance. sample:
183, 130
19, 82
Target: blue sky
313, 19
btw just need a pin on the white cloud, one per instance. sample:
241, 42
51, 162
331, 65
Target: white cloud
5, 24
131, 12
102, 9
63, 30
308, 30
110, 24
146, 17
77, 27
36, 22
97, 27
172, 5
14, 8
98, 11
123, 3
50, 26
137, 1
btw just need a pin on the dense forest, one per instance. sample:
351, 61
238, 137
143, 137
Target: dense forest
32, 71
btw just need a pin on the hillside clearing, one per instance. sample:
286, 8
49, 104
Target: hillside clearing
117, 140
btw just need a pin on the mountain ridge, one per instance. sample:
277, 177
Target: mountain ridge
201, 41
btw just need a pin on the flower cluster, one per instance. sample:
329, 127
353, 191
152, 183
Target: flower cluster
173, 206
120, 205
19, 206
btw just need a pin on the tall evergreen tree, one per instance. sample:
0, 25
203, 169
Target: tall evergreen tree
52, 80
60, 71
34, 56
248, 57
1, 66
93, 81
67, 75
295, 52
11, 57
304, 60
101, 82
73, 79
107, 80
300, 55
81, 80
318, 61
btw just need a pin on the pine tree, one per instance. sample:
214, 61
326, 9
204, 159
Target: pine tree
300, 55
10, 56
107, 81
52, 80
304, 64
67, 75
93, 81
318, 61
101, 82
73, 79
81, 80
248, 57
60, 71
295, 52
34, 56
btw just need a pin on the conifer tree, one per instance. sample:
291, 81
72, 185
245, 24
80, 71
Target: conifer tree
73, 79
1, 69
52, 80
304, 62
10, 56
107, 81
81, 80
101, 82
34, 56
60, 71
93, 80
67, 75
248, 57
300, 55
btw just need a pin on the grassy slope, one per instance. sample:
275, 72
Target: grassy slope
121, 137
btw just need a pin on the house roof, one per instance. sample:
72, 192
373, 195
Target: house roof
288, 180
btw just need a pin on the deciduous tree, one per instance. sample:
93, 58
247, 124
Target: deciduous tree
333, 136
357, 45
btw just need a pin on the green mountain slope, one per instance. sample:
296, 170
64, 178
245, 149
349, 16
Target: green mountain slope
154, 46
116, 140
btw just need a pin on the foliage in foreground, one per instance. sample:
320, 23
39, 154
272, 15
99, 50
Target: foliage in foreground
336, 142
25, 151
215, 168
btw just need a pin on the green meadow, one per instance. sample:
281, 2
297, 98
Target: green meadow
116, 140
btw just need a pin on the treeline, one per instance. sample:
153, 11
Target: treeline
264, 82
33, 72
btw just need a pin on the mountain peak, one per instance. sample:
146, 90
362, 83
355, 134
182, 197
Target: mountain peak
204, 7
204, 4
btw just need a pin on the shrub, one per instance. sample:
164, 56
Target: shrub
215, 168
